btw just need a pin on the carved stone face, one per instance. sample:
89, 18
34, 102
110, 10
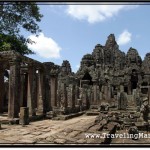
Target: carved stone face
148, 59
97, 54
85, 63
111, 39
63, 69
133, 57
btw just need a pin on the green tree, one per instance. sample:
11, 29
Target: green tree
15, 16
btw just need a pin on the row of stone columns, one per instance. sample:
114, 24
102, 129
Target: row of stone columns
66, 97
95, 94
27, 89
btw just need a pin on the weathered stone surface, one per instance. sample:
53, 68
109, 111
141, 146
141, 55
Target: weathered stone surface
24, 116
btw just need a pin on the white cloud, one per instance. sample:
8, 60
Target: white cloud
96, 13
44, 46
124, 38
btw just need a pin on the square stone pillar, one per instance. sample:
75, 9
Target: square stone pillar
53, 81
64, 101
121, 88
149, 95
85, 97
40, 104
14, 90
72, 96
112, 92
129, 88
31, 90
106, 93
24, 116
47, 102
2, 87
109, 93
95, 91
23, 89
76, 94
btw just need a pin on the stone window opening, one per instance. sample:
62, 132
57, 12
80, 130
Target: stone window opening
144, 84
126, 89
134, 79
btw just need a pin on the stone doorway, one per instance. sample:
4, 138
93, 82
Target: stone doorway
87, 77
134, 79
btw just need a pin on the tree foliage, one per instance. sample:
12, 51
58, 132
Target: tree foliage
15, 16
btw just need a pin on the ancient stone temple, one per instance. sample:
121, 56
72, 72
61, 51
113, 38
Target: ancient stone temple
107, 75
112, 76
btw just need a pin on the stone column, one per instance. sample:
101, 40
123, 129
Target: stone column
64, 95
76, 94
95, 91
72, 95
118, 101
47, 93
31, 90
121, 88
25, 93
2, 88
58, 98
85, 97
101, 97
106, 92
24, 116
112, 92
40, 103
129, 88
92, 97
109, 93
149, 95
14, 90
23, 89
53, 80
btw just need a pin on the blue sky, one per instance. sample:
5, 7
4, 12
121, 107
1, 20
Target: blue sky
71, 31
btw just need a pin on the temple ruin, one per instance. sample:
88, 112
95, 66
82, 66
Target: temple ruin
107, 76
